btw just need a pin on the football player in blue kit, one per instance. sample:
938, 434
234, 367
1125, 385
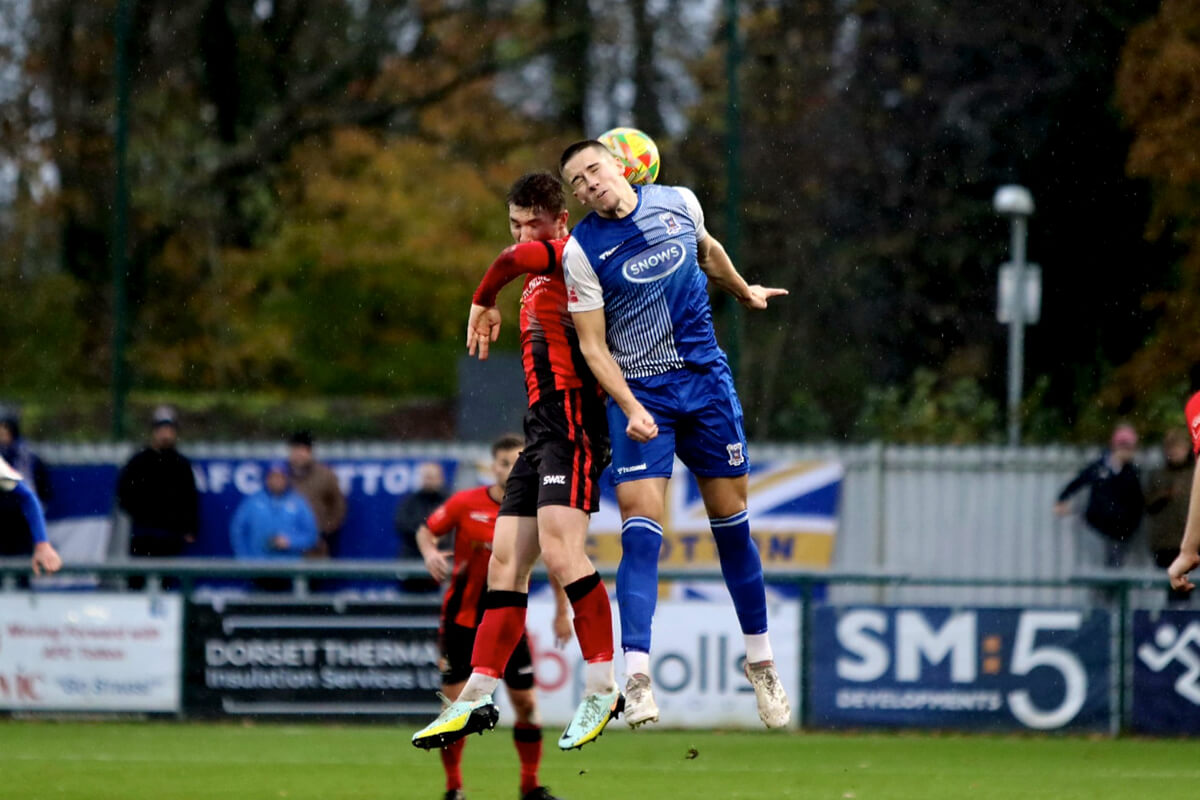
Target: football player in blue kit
637, 270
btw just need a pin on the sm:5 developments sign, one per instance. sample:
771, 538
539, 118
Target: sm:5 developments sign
990, 668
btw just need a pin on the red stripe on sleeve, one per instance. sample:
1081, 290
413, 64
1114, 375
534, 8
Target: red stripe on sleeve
519, 259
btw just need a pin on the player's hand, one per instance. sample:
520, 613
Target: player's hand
563, 630
641, 426
280, 542
45, 559
1184, 563
757, 296
436, 563
483, 328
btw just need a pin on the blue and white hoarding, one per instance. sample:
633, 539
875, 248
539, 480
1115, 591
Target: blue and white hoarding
960, 668
1166, 672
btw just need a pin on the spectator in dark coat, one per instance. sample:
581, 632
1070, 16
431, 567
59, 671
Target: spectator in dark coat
411, 515
319, 486
158, 491
1115, 503
1167, 491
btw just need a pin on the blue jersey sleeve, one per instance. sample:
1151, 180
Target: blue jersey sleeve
32, 509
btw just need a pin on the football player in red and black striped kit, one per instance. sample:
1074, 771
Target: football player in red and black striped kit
553, 487
471, 515
1189, 549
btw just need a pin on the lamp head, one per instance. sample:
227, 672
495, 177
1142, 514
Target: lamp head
1013, 201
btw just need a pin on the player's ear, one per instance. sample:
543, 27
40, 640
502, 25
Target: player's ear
563, 216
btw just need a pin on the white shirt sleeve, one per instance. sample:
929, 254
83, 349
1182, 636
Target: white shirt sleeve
583, 285
694, 211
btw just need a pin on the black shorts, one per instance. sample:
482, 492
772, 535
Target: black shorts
457, 644
566, 449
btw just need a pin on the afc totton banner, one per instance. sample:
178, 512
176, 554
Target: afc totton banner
965, 668
89, 652
284, 657
793, 517
1166, 672
696, 663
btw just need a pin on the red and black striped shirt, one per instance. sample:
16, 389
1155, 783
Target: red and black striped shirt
549, 345
472, 513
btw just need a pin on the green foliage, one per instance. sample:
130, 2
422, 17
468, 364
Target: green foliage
926, 412
362, 288
42, 321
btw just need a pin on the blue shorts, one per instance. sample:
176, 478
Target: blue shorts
699, 419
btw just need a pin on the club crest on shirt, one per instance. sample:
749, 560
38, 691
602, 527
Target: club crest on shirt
736, 456
670, 223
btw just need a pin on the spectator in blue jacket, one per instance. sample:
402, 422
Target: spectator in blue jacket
275, 523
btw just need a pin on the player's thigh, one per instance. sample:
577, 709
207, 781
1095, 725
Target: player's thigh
521, 489
723, 497
637, 460
515, 550
563, 534
645, 497
711, 438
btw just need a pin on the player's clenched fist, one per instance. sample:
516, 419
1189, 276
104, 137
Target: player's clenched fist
1178, 571
641, 426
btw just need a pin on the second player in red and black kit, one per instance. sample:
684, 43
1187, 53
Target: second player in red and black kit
553, 487
471, 515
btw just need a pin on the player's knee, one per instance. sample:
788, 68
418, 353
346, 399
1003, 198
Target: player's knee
502, 573
556, 556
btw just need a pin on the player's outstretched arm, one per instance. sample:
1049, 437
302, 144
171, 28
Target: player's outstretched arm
589, 325
716, 264
45, 557
1189, 549
483, 323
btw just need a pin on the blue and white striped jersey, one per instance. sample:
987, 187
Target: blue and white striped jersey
642, 270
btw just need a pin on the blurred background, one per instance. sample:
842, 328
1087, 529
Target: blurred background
273, 213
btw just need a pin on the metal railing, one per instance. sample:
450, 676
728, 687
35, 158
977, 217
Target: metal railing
1112, 588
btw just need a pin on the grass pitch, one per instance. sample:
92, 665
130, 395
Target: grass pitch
164, 761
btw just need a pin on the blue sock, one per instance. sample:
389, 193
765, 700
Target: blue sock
742, 569
637, 580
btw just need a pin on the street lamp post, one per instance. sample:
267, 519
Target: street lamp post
1016, 203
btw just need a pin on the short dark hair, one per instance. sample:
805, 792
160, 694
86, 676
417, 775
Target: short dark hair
301, 437
509, 441
575, 147
540, 191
